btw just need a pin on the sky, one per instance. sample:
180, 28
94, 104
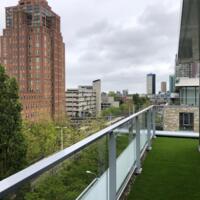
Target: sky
117, 41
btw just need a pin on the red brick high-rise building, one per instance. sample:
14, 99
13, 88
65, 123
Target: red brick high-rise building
32, 51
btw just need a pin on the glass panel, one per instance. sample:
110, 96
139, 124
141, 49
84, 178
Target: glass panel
191, 96
159, 118
143, 130
181, 96
197, 96
126, 152
98, 187
83, 176
185, 96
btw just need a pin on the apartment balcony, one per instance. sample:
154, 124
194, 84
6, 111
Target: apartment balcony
127, 160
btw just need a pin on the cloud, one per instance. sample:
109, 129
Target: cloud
125, 52
119, 41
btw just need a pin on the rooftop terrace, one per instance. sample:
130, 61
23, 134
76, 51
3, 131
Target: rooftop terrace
170, 171
101, 166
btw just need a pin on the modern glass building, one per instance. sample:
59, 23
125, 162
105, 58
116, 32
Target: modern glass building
189, 43
189, 33
186, 82
151, 84
188, 60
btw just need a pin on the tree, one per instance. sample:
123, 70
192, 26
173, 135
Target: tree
140, 102
112, 94
136, 101
12, 143
71, 134
69, 179
123, 110
126, 108
42, 139
112, 111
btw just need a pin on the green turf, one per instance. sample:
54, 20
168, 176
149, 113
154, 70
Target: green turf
171, 171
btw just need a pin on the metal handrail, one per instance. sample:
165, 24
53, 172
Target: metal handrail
33, 171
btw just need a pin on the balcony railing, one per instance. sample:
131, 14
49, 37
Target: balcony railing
122, 158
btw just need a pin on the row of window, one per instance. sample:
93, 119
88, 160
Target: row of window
36, 106
29, 97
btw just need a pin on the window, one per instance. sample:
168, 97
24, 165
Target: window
37, 67
37, 44
37, 60
37, 52
186, 121
191, 96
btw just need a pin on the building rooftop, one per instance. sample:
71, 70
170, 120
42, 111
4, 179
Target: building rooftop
32, 1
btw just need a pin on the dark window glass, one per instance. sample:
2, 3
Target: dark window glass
186, 121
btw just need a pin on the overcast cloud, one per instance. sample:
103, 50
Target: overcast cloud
118, 41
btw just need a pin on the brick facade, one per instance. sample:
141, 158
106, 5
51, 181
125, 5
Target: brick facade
32, 51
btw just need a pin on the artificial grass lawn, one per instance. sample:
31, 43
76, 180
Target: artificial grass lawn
171, 171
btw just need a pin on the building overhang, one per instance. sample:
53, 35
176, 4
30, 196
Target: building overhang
187, 82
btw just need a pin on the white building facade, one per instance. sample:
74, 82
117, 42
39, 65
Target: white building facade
84, 101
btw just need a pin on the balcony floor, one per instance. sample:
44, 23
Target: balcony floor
171, 171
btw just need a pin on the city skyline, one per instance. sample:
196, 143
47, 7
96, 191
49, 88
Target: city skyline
100, 43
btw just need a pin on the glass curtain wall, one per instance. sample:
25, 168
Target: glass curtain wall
189, 96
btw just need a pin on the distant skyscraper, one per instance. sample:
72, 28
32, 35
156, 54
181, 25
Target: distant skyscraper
164, 87
151, 84
32, 51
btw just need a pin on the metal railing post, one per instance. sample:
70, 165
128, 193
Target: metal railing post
154, 122
138, 162
112, 166
149, 130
